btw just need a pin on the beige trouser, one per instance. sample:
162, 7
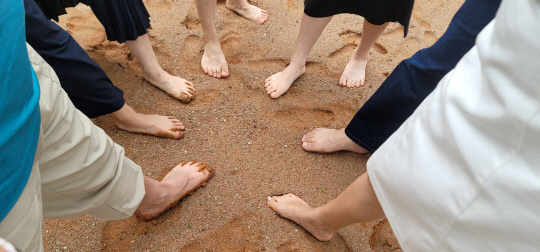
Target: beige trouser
77, 170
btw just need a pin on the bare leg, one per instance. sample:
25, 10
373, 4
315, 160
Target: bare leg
355, 71
163, 126
310, 30
358, 203
179, 182
213, 61
329, 140
175, 86
247, 10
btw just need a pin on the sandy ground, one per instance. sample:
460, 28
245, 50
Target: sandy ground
251, 140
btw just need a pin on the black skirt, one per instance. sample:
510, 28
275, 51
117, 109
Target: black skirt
376, 12
122, 19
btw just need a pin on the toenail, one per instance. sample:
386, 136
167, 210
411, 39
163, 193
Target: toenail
268, 198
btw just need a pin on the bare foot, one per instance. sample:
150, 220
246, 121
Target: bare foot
179, 182
277, 84
213, 61
249, 11
163, 126
290, 206
354, 73
175, 86
329, 140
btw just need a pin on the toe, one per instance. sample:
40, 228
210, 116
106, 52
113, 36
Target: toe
225, 71
275, 95
305, 146
270, 89
342, 81
178, 134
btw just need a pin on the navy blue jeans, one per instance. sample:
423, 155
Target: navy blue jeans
415, 78
86, 84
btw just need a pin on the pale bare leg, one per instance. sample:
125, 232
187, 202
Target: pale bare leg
175, 86
163, 126
213, 61
329, 140
310, 30
180, 181
354, 74
247, 10
358, 203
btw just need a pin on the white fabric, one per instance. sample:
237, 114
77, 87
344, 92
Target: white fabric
463, 172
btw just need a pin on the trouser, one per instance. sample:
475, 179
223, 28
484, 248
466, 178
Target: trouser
77, 169
414, 78
87, 85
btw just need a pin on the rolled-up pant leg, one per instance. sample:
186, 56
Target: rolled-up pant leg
415, 78
77, 170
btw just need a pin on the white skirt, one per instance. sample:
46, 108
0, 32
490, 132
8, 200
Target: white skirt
463, 172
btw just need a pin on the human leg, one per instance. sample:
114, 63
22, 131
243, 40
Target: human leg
179, 182
164, 126
414, 78
410, 82
213, 61
22, 226
329, 140
175, 86
247, 10
358, 203
87, 85
84, 172
310, 30
355, 71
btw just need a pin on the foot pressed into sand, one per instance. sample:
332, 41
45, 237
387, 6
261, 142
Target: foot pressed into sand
290, 206
175, 86
355, 73
163, 126
247, 10
329, 140
179, 182
277, 84
213, 61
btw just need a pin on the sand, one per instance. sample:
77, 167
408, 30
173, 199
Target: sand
252, 141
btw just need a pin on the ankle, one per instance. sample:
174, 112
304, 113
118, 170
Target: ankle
236, 3
360, 56
296, 67
154, 72
319, 221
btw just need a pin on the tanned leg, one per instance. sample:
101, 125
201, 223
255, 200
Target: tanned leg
163, 126
175, 86
358, 203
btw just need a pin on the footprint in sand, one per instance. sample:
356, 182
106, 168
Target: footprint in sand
383, 238
302, 118
351, 37
159, 4
295, 6
192, 19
